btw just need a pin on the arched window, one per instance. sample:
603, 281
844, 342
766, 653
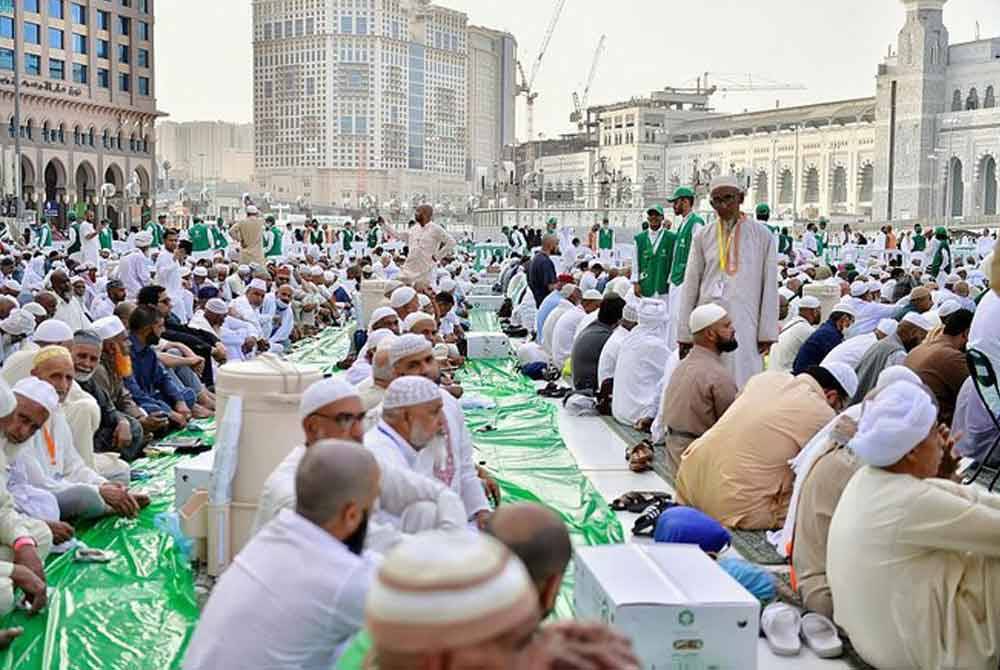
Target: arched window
972, 102
106, 139
90, 136
45, 131
29, 130
10, 127
145, 145
956, 101
989, 100
131, 142
62, 133
119, 140
77, 137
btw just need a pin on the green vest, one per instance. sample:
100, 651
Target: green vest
682, 248
936, 264
373, 237
654, 264
77, 242
198, 234
316, 237
43, 236
275, 249
348, 239
919, 243
106, 238
784, 244
606, 239
157, 231
820, 242
219, 240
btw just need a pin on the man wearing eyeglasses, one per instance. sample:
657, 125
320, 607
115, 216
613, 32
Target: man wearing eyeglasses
731, 263
331, 409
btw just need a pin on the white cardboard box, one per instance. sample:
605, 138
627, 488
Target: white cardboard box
490, 302
679, 608
193, 474
488, 345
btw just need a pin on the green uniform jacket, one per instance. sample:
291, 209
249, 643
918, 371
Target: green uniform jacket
275, 248
938, 264
157, 231
606, 239
77, 242
374, 238
919, 243
200, 240
784, 244
654, 264
348, 239
682, 247
106, 238
219, 240
42, 236
316, 237
820, 243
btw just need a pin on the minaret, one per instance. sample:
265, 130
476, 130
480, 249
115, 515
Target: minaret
911, 93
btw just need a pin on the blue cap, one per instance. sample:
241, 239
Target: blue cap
687, 525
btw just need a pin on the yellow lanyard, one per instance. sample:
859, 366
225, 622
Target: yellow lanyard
727, 248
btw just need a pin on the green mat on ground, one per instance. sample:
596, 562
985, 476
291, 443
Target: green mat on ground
324, 350
484, 321
134, 613
520, 442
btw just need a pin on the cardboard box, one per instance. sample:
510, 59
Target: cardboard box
487, 302
488, 345
193, 474
680, 609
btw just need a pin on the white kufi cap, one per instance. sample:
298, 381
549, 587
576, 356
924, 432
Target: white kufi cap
845, 376
40, 391
887, 326
18, 322
407, 345
322, 393
409, 391
704, 316
217, 306
108, 327
53, 331
402, 296
258, 284
726, 181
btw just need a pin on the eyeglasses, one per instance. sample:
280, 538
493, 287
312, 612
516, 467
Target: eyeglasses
724, 199
343, 419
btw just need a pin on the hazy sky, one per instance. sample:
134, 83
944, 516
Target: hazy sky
204, 54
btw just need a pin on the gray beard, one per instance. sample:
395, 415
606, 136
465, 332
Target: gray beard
83, 378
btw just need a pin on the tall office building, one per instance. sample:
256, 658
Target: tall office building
205, 151
491, 101
356, 98
88, 104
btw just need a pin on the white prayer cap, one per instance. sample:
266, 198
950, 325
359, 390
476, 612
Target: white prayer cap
258, 284
7, 400
809, 302
109, 326
568, 290
858, 289
652, 312
409, 391
592, 294
423, 300
413, 319
874, 286
704, 316
887, 326
897, 373
726, 181
402, 296
217, 306
447, 285
315, 270
893, 422
143, 239
185, 272
407, 345
377, 337
630, 313
786, 293
18, 322
322, 393
35, 309
40, 391
53, 331
329, 276
383, 313
948, 307
252, 210
845, 376
243, 269
444, 590
918, 320
12, 284
952, 279
845, 307
200, 271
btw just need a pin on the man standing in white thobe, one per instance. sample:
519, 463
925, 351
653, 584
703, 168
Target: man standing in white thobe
732, 264
428, 244
133, 268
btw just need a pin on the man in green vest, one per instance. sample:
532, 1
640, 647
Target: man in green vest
201, 239
347, 239
940, 253
683, 202
106, 236
75, 243
785, 243
374, 235
605, 241
218, 233
919, 243
652, 258
822, 239
156, 229
41, 235
272, 238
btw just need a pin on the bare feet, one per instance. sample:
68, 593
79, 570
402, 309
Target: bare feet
8, 635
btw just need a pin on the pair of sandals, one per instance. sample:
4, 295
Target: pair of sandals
553, 390
636, 502
640, 456
785, 628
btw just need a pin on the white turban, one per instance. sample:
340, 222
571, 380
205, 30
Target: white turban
329, 276
592, 294
217, 306
108, 327
409, 391
809, 302
447, 285
35, 309
948, 307
786, 293
18, 322
845, 376
704, 316
893, 422
897, 373
630, 313
874, 286
402, 296
258, 284
652, 312
568, 290
413, 319
53, 331
406, 345
726, 181
423, 300
858, 289
200, 271
322, 393
918, 320
844, 307
40, 391
887, 326
143, 239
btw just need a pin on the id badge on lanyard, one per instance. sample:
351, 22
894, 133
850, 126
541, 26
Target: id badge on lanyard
718, 289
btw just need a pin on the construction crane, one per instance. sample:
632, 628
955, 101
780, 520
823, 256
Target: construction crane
723, 82
580, 104
527, 86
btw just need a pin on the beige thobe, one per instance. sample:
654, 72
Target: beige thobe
250, 235
427, 245
914, 567
738, 472
750, 296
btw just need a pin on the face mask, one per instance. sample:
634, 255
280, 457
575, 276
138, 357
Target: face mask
123, 364
85, 377
355, 542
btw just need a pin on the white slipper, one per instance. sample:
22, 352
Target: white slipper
821, 636
781, 625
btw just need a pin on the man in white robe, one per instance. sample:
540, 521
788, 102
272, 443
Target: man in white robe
571, 296
134, 267
612, 348
732, 264
640, 365
794, 334
852, 350
566, 328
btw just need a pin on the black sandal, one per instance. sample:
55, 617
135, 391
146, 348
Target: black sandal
637, 501
645, 525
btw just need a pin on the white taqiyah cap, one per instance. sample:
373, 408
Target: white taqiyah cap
918, 320
630, 313
568, 290
53, 331
786, 293
887, 326
447, 285
378, 337
243, 269
185, 271
143, 239
7, 400
252, 210
413, 319
409, 391
845, 376
704, 316
329, 276
592, 294
893, 422
18, 322
652, 312
845, 307
809, 302
200, 271
402, 296
874, 286
35, 309
217, 306
383, 313
40, 391
948, 307
423, 300
322, 393
258, 284
12, 284
726, 181
407, 345
109, 326
858, 289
